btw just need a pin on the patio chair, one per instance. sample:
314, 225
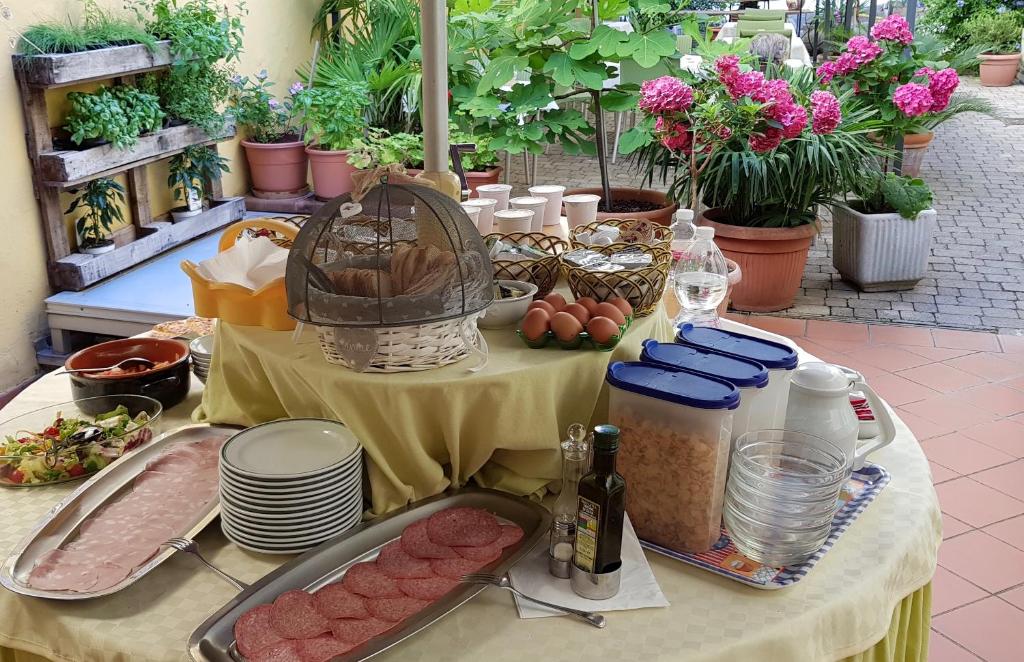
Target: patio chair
753, 21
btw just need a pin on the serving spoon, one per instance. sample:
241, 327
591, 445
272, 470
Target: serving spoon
126, 363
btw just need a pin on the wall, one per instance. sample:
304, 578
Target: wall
276, 37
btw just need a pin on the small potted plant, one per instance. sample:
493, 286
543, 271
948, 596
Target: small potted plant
273, 147
100, 201
333, 119
481, 166
882, 239
378, 147
1000, 34
190, 171
116, 115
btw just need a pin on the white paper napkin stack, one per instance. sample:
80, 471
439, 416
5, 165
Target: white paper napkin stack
638, 588
252, 263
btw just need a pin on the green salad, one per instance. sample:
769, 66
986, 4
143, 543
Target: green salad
71, 447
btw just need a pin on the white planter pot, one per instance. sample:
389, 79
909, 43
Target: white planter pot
881, 252
98, 250
179, 214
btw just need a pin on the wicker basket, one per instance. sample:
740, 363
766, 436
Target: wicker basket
643, 288
541, 272
662, 234
409, 348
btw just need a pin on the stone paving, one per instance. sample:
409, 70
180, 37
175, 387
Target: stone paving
976, 276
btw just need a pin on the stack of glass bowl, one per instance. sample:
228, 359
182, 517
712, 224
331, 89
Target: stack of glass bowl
202, 353
782, 495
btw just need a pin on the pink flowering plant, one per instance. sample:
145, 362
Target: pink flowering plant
263, 117
760, 151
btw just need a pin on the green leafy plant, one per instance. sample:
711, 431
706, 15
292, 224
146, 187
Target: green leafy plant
997, 33
264, 117
379, 147
193, 169
192, 97
950, 18
101, 200
886, 193
480, 160
98, 29
116, 114
333, 116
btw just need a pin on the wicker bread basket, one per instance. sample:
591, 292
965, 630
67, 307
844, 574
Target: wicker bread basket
542, 272
662, 235
643, 287
408, 348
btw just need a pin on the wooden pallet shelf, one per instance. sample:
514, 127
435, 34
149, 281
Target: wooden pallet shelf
73, 68
69, 168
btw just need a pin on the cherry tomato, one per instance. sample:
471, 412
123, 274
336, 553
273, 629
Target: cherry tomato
76, 469
16, 477
51, 432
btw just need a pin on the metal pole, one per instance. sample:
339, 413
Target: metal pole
828, 22
872, 14
599, 124
848, 17
435, 86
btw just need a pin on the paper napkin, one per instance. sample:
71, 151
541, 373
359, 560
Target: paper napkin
638, 588
250, 263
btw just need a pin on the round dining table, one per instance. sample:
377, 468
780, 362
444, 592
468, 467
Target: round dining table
867, 599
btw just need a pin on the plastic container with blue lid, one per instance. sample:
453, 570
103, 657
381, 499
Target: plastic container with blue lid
770, 410
750, 377
674, 454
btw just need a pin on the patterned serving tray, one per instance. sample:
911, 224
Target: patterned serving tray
724, 559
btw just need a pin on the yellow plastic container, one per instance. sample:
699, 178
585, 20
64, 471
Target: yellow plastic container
266, 307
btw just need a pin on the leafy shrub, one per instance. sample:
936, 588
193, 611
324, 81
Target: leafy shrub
889, 193
949, 18
265, 118
101, 199
998, 33
117, 114
192, 169
333, 115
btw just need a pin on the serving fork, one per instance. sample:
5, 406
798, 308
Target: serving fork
189, 546
597, 620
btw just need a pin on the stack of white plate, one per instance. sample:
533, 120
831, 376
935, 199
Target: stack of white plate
202, 353
289, 485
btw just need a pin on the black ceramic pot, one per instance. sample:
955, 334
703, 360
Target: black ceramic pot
168, 384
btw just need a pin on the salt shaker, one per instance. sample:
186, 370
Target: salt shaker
575, 461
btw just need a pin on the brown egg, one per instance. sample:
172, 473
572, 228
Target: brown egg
611, 311
601, 329
543, 305
556, 300
579, 312
566, 327
588, 303
536, 324
622, 305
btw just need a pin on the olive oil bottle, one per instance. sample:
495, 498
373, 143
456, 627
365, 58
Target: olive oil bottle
601, 507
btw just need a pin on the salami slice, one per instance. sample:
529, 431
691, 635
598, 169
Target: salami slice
465, 527
510, 535
395, 609
283, 651
483, 554
253, 631
357, 630
394, 562
429, 589
321, 649
417, 544
455, 568
366, 580
293, 616
335, 601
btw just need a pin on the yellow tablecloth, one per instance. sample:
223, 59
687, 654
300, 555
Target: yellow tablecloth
868, 599
500, 425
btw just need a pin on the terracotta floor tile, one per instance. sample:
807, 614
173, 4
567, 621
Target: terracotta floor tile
938, 353
898, 390
899, 335
1010, 531
941, 649
942, 377
921, 427
995, 398
963, 455
950, 591
986, 562
1006, 435
992, 629
824, 329
985, 342
1012, 344
1014, 596
949, 412
784, 326
941, 474
991, 366
823, 353
975, 504
888, 358
1008, 479
1016, 383
854, 360
952, 527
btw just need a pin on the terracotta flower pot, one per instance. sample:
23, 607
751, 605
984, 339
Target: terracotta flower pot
772, 261
332, 173
915, 147
999, 70
276, 167
475, 178
662, 215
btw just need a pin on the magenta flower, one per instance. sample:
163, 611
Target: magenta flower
296, 87
913, 99
846, 63
727, 64
827, 71
924, 72
665, 94
942, 84
767, 141
893, 28
794, 121
744, 85
863, 49
675, 136
825, 112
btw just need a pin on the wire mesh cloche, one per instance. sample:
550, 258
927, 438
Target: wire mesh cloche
393, 281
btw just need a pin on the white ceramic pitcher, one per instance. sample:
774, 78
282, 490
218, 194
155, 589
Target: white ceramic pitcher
819, 404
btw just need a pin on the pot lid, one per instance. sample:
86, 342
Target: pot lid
771, 355
742, 373
822, 378
683, 387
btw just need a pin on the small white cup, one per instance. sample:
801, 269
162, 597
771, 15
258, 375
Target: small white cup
499, 192
581, 208
513, 220
553, 194
473, 213
535, 204
485, 213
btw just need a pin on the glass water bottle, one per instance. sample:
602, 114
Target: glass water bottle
701, 279
575, 463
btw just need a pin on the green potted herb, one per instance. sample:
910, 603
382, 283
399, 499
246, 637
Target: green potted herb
98, 29
100, 201
378, 147
116, 115
333, 118
190, 173
273, 147
1000, 34
881, 240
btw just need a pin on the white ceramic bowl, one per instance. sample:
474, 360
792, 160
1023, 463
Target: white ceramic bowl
506, 312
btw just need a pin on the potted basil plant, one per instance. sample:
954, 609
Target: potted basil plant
190, 171
333, 117
882, 239
101, 201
